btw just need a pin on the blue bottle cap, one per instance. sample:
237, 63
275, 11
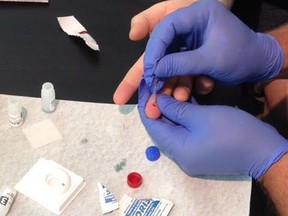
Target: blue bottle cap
152, 153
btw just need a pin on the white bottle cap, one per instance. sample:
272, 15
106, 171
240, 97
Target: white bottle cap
48, 97
14, 107
48, 91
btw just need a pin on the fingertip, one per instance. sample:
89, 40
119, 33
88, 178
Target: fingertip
204, 85
139, 28
151, 110
123, 93
117, 100
181, 94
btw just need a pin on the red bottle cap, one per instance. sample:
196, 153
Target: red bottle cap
134, 180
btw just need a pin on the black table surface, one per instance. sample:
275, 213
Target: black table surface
34, 49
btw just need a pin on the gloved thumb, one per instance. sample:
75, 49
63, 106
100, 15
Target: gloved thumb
178, 112
192, 62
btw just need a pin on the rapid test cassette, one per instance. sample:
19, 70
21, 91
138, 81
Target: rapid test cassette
50, 185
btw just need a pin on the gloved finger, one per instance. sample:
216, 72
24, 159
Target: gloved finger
180, 87
130, 83
146, 106
164, 34
193, 100
178, 112
143, 95
193, 62
151, 108
143, 98
160, 129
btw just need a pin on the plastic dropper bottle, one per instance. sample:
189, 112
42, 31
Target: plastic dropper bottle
15, 114
48, 97
7, 196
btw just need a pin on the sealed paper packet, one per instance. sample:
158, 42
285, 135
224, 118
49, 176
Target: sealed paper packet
73, 27
144, 207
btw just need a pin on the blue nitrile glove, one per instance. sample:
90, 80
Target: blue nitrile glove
212, 140
206, 38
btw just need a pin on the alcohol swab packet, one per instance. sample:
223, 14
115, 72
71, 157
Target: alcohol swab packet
73, 27
107, 200
144, 207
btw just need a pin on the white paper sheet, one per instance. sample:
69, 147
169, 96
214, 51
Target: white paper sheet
97, 137
42, 133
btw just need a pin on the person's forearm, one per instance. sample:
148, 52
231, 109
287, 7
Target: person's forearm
275, 182
276, 105
280, 34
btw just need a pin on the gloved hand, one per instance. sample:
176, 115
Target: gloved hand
206, 38
212, 140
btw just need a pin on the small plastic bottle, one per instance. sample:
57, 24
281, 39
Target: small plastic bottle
48, 97
7, 196
15, 114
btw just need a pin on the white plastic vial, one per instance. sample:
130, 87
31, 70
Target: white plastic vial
48, 97
7, 197
15, 115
